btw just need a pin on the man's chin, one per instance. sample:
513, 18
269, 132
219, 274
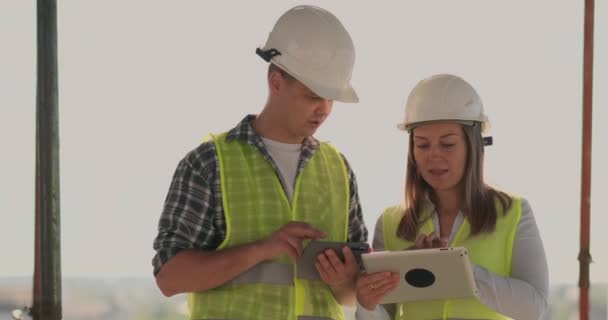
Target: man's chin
310, 133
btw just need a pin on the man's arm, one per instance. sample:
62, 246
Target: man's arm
186, 258
192, 270
192, 217
190, 224
196, 270
357, 231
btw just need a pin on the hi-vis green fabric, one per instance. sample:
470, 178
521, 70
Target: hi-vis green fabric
491, 251
255, 206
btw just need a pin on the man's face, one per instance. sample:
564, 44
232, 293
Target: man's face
303, 110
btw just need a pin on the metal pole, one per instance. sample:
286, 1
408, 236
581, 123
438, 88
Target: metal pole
584, 256
47, 265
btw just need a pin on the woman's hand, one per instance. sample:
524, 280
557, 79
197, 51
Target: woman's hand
372, 287
429, 241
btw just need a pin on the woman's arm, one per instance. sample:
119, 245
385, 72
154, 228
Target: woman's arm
524, 294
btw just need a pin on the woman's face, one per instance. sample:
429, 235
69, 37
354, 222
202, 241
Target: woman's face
440, 152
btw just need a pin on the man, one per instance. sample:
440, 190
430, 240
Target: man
242, 203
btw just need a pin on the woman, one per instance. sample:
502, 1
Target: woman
447, 203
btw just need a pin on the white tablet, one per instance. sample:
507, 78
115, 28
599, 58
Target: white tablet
427, 274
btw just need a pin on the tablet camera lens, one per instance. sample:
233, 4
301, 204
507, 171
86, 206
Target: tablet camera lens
420, 278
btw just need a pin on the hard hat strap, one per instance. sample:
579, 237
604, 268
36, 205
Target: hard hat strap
488, 141
268, 54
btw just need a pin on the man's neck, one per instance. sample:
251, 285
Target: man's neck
269, 126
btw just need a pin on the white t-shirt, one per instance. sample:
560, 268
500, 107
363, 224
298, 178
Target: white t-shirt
286, 156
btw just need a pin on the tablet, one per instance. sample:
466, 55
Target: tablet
306, 262
426, 274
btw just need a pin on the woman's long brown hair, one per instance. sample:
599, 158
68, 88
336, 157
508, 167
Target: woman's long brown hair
480, 200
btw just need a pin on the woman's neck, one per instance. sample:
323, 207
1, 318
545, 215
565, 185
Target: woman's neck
449, 202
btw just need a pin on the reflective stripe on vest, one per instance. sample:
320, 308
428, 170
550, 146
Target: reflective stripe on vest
491, 251
269, 273
255, 206
266, 272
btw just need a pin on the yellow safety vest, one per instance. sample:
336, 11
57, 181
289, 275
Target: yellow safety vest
491, 251
255, 205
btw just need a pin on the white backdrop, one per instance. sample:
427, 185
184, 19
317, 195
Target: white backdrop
141, 82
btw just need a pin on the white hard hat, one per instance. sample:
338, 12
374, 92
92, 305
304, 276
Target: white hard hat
313, 46
443, 97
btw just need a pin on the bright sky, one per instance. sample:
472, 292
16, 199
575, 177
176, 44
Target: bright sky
141, 82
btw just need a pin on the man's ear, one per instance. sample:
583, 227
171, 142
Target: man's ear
275, 82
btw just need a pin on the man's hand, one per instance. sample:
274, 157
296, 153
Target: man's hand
289, 240
339, 276
333, 271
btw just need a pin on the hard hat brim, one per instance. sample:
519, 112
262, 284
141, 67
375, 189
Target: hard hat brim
409, 126
347, 94
343, 95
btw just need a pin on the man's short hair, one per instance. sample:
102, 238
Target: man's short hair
273, 68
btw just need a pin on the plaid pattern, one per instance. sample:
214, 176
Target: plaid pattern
193, 215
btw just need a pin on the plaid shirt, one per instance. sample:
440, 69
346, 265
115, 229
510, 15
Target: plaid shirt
193, 215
